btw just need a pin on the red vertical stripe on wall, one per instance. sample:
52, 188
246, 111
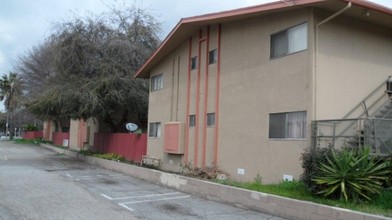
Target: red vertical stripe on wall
188, 94
205, 100
196, 150
217, 94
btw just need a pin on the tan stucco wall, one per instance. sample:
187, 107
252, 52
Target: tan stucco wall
91, 127
354, 58
48, 129
73, 134
167, 104
252, 87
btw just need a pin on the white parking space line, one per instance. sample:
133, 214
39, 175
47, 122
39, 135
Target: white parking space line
156, 200
143, 196
125, 204
158, 197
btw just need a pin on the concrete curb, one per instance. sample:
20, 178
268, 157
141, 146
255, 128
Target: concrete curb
270, 204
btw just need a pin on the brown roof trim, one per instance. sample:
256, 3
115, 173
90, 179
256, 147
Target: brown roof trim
249, 10
371, 5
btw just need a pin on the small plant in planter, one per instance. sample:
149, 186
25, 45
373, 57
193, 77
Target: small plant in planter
352, 174
111, 156
207, 173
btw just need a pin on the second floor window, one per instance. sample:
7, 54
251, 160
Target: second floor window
289, 41
157, 82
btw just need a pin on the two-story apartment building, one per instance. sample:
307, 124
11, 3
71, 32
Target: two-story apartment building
239, 89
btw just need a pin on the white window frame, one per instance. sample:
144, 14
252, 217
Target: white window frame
156, 82
154, 130
292, 128
210, 119
289, 41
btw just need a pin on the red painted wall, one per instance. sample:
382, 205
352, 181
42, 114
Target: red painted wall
59, 137
31, 135
131, 146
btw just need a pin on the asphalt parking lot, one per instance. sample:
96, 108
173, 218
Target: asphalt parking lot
36, 183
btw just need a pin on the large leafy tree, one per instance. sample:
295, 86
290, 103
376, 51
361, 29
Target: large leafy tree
85, 68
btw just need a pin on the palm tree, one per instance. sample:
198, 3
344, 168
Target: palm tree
9, 91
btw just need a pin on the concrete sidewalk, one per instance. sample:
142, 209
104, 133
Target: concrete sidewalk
262, 202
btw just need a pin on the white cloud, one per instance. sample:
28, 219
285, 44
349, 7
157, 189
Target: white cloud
1, 58
5, 32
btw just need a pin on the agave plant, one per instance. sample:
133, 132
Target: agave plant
352, 174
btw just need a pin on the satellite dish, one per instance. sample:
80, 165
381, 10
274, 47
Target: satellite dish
131, 127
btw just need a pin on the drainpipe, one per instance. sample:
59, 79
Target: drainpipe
334, 15
348, 6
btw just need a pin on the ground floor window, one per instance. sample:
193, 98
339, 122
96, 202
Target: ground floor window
155, 129
288, 125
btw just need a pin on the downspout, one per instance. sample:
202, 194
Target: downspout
348, 6
334, 15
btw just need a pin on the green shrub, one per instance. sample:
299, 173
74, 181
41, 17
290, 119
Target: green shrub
86, 152
28, 141
30, 127
352, 175
384, 200
311, 159
388, 183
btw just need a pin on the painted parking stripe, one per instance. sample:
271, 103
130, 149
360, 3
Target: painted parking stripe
125, 204
156, 200
143, 196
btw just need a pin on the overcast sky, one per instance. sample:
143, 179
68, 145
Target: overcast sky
26, 23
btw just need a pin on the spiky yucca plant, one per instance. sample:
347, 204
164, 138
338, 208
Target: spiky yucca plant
352, 174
